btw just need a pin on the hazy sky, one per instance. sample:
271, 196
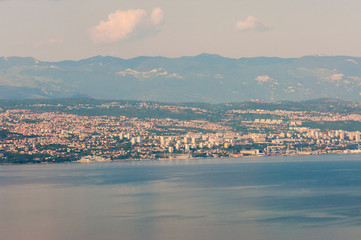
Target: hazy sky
76, 29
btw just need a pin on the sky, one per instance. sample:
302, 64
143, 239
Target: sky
54, 30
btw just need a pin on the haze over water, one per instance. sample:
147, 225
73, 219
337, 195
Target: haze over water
313, 197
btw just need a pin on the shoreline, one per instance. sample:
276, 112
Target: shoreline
192, 158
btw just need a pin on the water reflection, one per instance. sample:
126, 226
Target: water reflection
207, 199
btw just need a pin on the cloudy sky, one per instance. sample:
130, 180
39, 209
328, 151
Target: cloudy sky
75, 29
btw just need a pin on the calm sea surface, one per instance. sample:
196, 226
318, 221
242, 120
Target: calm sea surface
313, 197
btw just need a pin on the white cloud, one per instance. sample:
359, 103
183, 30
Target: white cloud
263, 78
354, 78
336, 77
150, 74
157, 16
351, 60
121, 25
252, 23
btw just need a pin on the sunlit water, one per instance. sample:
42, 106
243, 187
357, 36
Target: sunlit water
313, 197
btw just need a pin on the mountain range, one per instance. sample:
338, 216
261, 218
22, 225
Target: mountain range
203, 78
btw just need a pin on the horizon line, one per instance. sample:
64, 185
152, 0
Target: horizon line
183, 56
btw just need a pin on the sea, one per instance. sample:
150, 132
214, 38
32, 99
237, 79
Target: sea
261, 198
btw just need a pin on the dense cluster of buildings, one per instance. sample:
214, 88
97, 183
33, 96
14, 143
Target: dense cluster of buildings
57, 136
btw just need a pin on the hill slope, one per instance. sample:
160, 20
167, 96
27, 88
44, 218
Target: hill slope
203, 78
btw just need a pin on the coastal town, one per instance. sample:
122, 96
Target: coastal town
39, 133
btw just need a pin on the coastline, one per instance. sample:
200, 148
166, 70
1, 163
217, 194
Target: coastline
95, 159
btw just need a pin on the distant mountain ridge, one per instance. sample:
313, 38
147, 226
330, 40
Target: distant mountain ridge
204, 78
141, 108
